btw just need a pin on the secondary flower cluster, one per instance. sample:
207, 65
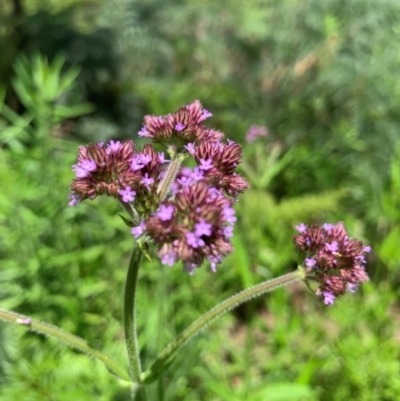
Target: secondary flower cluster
255, 132
336, 261
117, 170
180, 128
193, 219
196, 225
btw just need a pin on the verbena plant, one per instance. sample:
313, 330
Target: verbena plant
178, 193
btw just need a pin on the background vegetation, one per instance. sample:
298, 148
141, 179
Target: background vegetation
322, 76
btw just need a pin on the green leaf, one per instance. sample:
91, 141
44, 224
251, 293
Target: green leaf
284, 392
68, 79
64, 112
241, 260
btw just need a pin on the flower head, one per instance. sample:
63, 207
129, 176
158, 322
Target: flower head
187, 212
336, 261
219, 161
116, 169
192, 227
180, 128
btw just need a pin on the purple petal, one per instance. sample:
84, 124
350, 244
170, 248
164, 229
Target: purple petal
301, 228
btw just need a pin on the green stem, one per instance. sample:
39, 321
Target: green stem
165, 357
130, 313
65, 337
131, 211
169, 177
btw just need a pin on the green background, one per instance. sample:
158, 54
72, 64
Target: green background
323, 76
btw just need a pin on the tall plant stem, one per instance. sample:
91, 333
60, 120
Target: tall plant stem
130, 313
63, 336
166, 355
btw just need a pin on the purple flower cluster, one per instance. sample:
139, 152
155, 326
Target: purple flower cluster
117, 170
187, 213
196, 225
180, 128
218, 161
255, 132
336, 261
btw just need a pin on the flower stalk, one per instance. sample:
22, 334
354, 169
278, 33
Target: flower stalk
63, 336
166, 355
170, 175
130, 313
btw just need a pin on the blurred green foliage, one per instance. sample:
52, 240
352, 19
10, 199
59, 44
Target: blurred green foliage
322, 76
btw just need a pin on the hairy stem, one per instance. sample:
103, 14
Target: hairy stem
130, 313
131, 211
169, 177
63, 336
166, 355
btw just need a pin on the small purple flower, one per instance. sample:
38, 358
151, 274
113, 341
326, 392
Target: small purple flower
353, 287
189, 267
185, 181
144, 159
202, 228
206, 114
161, 158
186, 171
113, 146
214, 260
361, 259
206, 164
197, 174
228, 231
147, 181
143, 132
169, 258
328, 227
301, 228
136, 163
230, 142
179, 127
80, 172
229, 215
83, 168
310, 262
138, 230
214, 193
166, 212
367, 249
190, 148
334, 247
139, 161
127, 194
193, 240
329, 298
88, 165
74, 200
